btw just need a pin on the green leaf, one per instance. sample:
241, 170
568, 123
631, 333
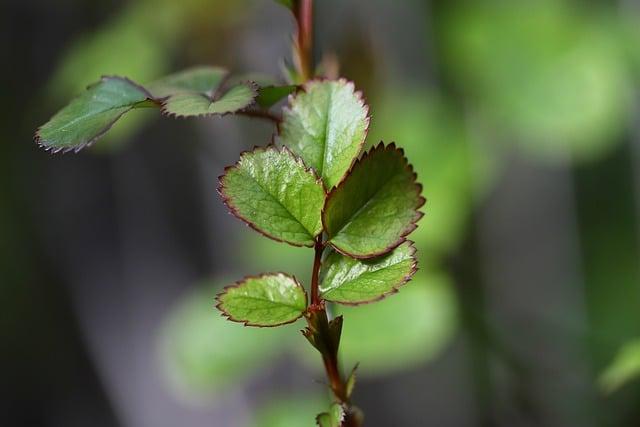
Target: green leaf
203, 354
232, 100
267, 300
333, 418
204, 80
352, 281
272, 191
624, 368
90, 115
375, 207
270, 95
350, 383
326, 125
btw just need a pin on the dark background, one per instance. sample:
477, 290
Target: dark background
522, 121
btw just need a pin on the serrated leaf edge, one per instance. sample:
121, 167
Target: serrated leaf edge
161, 101
77, 148
253, 87
304, 88
395, 289
417, 186
241, 282
234, 211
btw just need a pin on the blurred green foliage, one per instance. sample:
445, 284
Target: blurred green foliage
623, 369
289, 411
204, 354
551, 74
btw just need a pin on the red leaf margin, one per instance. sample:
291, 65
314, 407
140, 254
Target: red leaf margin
239, 283
304, 89
417, 188
234, 211
395, 289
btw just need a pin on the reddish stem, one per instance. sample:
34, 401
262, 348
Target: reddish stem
315, 273
303, 11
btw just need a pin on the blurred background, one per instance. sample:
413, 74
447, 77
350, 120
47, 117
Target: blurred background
523, 122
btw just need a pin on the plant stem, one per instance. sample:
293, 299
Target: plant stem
315, 272
303, 11
324, 335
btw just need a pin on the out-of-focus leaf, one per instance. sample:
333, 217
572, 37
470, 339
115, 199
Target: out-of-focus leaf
90, 115
376, 205
271, 95
400, 332
624, 368
138, 42
232, 100
332, 418
272, 191
326, 124
290, 411
272, 299
204, 354
351, 281
202, 80
547, 73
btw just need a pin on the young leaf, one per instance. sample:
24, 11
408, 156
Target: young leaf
352, 281
286, 3
333, 418
267, 300
375, 207
351, 381
326, 125
272, 191
89, 116
195, 104
202, 79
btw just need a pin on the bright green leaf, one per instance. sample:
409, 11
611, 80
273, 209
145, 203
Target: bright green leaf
266, 300
234, 99
270, 95
624, 368
272, 191
326, 125
204, 80
90, 115
352, 281
333, 418
203, 354
376, 206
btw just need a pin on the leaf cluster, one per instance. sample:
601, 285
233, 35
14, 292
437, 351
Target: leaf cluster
315, 187
196, 92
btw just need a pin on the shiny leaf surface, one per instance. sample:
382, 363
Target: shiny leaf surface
326, 125
275, 194
267, 300
376, 206
352, 281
